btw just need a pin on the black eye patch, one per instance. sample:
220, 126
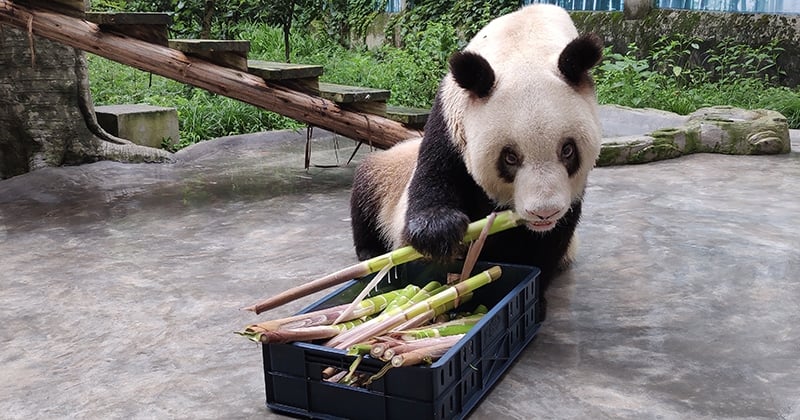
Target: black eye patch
508, 161
569, 156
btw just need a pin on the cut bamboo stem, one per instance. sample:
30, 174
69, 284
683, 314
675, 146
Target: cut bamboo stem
503, 221
373, 329
327, 316
475, 248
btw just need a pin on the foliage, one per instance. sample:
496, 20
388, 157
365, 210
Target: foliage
412, 75
672, 77
467, 15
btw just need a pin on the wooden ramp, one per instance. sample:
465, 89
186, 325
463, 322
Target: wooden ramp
219, 66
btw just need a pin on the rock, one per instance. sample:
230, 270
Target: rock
719, 129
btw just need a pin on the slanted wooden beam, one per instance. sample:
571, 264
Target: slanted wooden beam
173, 64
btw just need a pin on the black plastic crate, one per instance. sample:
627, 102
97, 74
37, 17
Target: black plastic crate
449, 388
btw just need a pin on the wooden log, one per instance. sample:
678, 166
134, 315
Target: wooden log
378, 131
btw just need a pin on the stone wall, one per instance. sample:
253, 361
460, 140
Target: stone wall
747, 28
617, 31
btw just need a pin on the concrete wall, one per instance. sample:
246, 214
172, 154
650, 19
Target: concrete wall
619, 29
747, 28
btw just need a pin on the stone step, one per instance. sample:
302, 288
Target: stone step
142, 124
150, 27
414, 117
302, 77
227, 53
362, 99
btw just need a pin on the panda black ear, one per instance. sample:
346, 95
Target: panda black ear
472, 72
579, 56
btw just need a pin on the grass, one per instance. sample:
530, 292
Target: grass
663, 79
202, 115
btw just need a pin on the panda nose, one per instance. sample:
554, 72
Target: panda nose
543, 214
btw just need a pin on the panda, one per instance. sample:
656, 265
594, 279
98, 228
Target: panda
514, 125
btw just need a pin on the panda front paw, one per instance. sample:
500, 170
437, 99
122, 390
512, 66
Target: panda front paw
437, 233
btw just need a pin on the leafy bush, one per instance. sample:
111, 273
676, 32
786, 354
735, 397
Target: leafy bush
671, 77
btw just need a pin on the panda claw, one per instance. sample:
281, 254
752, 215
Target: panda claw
437, 234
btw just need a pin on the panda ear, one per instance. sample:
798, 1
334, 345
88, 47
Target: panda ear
579, 56
472, 72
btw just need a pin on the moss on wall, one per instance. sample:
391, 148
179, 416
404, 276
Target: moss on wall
746, 28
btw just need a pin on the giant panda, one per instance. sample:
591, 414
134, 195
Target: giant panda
514, 125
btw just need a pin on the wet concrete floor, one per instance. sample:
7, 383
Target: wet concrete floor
121, 286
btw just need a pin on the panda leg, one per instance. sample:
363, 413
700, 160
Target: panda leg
570, 254
367, 242
363, 221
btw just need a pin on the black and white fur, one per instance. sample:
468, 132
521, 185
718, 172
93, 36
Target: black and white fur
514, 125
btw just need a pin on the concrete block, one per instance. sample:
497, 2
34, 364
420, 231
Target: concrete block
142, 124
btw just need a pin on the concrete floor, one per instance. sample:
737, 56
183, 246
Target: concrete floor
121, 286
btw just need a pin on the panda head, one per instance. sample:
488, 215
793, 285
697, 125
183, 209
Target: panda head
521, 109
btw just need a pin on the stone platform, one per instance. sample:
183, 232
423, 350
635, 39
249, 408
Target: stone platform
121, 286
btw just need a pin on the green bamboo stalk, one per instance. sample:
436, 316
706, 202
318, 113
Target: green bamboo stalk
360, 349
455, 327
503, 221
421, 295
350, 372
326, 316
430, 314
389, 312
451, 293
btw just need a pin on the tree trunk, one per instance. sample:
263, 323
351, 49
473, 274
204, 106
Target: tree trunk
208, 18
287, 30
46, 114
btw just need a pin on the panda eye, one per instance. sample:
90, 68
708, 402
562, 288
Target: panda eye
510, 158
567, 150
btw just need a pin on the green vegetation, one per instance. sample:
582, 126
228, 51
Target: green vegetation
673, 76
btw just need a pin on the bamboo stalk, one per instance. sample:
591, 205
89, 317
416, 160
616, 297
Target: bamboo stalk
444, 329
421, 344
327, 316
364, 268
426, 354
503, 221
297, 334
451, 293
430, 314
357, 301
475, 248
